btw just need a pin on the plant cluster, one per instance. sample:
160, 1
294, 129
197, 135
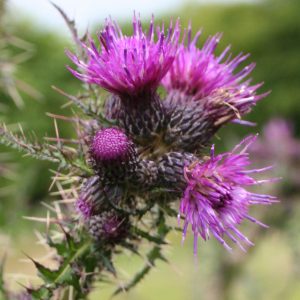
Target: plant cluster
141, 157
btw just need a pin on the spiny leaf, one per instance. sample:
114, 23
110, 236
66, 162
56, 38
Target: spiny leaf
152, 256
41, 151
36, 150
147, 236
22, 144
108, 265
42, 293
64, 270
45, 273
88, 109
130, 247
65, 275
137, 278
169, 211
61, 248
71, 25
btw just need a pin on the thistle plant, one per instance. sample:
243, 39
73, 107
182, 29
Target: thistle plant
142, 158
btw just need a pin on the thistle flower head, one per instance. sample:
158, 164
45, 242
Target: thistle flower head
109, 226
278, 142
90, 198
215, 200
94, 196
84, 207
128, 65
197, 72
110, 144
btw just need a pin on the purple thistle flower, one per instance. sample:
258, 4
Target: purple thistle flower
215, 200
278, 143
115, 159
110, 144
128, 65
114, 156
198, 73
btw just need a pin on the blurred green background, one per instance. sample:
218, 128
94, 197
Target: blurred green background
270, 31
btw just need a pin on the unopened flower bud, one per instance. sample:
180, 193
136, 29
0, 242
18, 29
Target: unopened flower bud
109, 226
171, 169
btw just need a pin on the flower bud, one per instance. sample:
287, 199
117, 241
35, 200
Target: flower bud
109, 226
171, 169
